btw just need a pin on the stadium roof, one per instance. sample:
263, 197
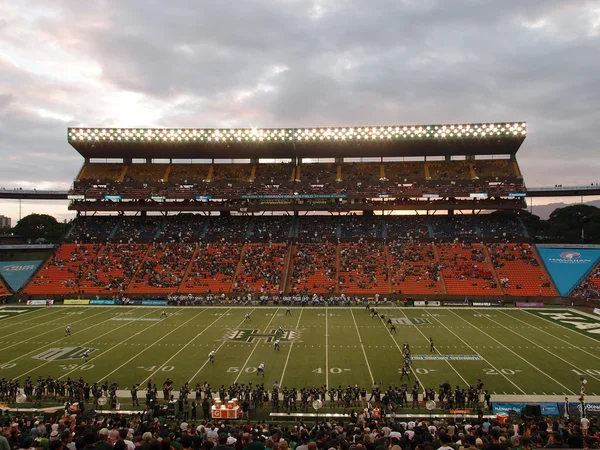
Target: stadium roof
372, 141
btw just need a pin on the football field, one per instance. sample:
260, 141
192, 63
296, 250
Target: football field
514, 352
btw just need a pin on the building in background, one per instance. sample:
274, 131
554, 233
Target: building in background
4, 222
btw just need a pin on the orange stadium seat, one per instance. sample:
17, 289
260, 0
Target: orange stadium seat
313, 269
466, 270
213, 268
414, 268
363, 268
261, 269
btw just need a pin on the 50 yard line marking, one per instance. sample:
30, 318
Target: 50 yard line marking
290, 350
363, 347
255, 346
217, 351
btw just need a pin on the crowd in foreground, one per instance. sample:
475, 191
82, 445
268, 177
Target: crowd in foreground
145, 432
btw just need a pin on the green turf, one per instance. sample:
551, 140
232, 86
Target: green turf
521, 352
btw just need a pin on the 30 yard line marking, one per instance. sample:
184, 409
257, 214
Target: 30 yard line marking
290, 350
516, 354
437, 350
87, 342
553, 335
151, 345
255, 346
473, 350
363, 347
185, 346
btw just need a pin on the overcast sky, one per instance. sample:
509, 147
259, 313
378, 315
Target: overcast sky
294, 63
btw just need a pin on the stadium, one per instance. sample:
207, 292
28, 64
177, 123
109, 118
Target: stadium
385, 268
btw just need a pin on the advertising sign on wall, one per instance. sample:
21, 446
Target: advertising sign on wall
568, 266
16, 273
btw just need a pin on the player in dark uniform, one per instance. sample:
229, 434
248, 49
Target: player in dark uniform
288, 311
393, 329
68, 331
415, 396
431, 345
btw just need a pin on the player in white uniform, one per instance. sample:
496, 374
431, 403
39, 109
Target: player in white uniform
248, 317
276, 345
68, 331
86, 354
280, 331
261, 369
211, 356
163, 315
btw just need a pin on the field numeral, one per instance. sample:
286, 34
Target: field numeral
8, 365
153, 368
334, 370
487, 316
578, 372
237, 369
420, 371
500, 371
330, 315
76, 366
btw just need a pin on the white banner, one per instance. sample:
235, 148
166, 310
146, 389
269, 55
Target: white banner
423, 303
597, 310
39, 302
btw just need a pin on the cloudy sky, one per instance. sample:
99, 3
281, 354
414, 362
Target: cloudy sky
219, 63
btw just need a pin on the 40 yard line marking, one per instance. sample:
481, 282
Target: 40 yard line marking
185, 346
217, 351
516, 354
473, 350
363, 347
290, 350
255, 346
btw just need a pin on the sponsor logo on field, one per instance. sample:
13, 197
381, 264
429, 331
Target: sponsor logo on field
139, 319
246, 335
61, 353
580, 322
446, 358
409, 320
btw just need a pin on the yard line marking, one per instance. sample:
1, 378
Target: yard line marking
87, 342
326, 349
290, 350
554, 354
516, 354
363, 347
150, 346
19, 315
400, 350
103, 352
439, 353
550, 334
50, 343
561, 326
493, 367
183, 348
255, 346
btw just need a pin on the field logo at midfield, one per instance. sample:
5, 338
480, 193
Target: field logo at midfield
247, 335
61, 353
582, 323
410, 321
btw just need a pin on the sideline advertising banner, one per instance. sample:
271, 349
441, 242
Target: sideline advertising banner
154, 303
39, 302
426, 303
504, 408
76, 301
568, 266
529, 305
102, 302
16, 273
575, 409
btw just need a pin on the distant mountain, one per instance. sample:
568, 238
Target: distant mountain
544, 211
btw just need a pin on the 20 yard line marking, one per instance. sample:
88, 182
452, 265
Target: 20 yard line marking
290, 350
516, 354
184, 347
363, 347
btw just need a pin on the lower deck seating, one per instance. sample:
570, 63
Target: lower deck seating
261, 269
363, 268
413, 268
589, 288
314, 268
519, 271
466, 270
3, 289
213, 268
61, 273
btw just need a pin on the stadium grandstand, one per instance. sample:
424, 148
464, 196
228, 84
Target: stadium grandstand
390, 210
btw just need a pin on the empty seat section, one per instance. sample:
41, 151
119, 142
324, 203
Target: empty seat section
314, 268
361, 226
519, 271
213, 268
101, 172
145, 173
363, 268
229, 228
188, 174
466, 270
414, 268
261, 269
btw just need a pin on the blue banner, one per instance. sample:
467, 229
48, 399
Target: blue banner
154, 303
549, 409
102, 302
575, 409
568, 266
16, 273
504, 408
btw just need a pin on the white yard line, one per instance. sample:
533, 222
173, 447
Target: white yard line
150, 346
255, 347
217, 350
363, 347
185, 346
477, 353
84, 344
558, 324
52, 343
402, 355
326, 348
438, 352
516, 354
543, 348
96, 355
290, 350
593, 355
19, 315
